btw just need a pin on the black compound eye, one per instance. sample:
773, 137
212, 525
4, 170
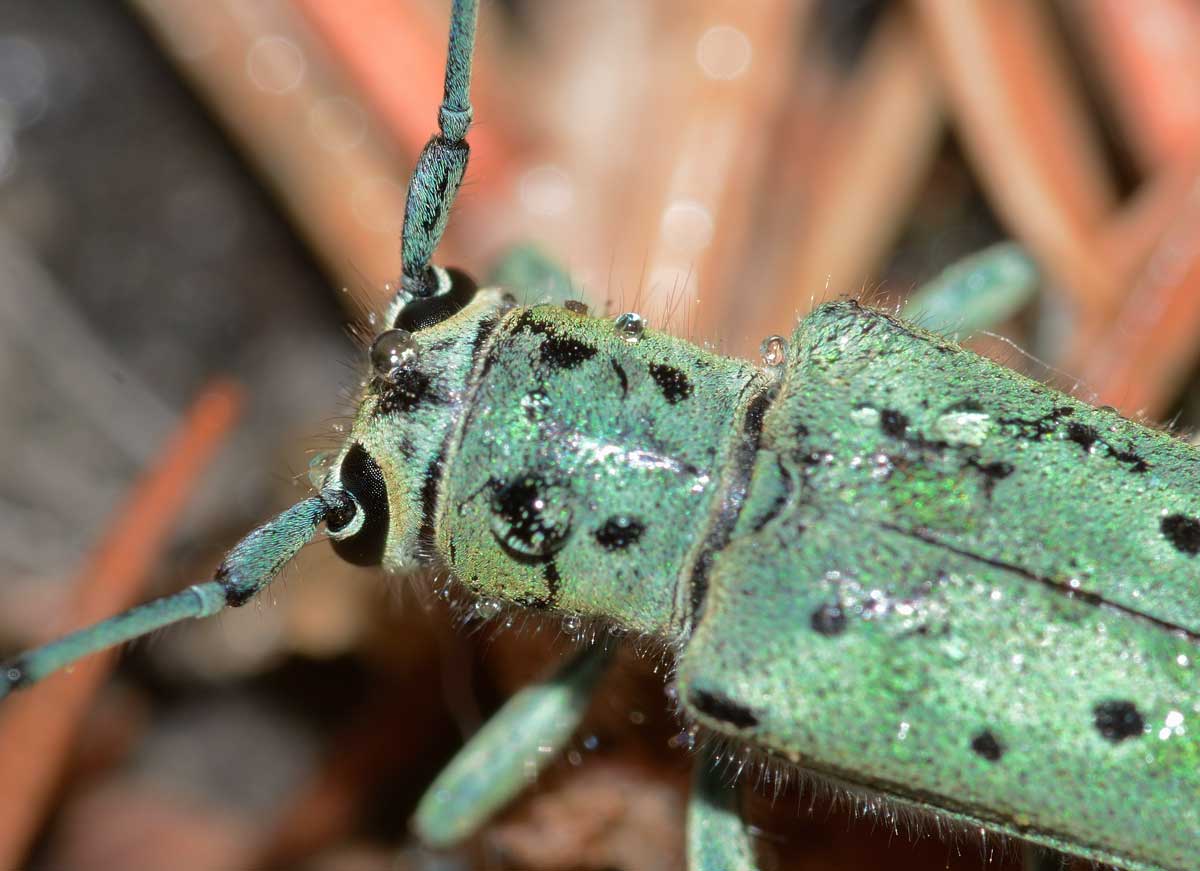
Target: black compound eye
362, 478
426, 311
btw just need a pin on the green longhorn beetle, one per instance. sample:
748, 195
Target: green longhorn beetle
878, 557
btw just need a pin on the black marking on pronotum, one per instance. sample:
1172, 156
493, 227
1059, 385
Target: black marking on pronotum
1062, 589
425, 311
732, 499
362, 478
622, 378
619, 532
674, 384
1183, 532
986, 745
557, 350
1087, 437
431, 482
408, 389
723, 709
1117, 720
893, 423
520, 502
828, 620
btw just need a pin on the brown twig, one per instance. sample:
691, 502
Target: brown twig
1026, 133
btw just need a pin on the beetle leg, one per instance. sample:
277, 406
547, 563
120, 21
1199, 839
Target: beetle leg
976, 293
516, 743
717, 839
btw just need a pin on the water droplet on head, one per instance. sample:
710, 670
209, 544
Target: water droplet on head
372, 318
591, 742
571, 624
774, 351
318, 468
486, 609
391, 352
630, 326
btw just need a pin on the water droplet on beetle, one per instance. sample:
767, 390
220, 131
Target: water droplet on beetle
391, 351
630, 327
372, 318
866, 416
774, 351
571, 624
318, 468
685, 739
970, 428
591, 742
486, 609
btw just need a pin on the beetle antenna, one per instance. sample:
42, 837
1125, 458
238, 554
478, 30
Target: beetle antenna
248, 567
443, 161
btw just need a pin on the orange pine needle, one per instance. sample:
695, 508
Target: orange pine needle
38, 727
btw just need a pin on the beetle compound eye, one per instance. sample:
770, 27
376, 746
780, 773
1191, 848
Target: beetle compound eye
359, 532
456, 289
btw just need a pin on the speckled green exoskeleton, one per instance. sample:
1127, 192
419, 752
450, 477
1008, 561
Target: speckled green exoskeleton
877, 556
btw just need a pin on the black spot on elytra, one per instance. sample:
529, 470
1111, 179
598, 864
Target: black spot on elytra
1083, 435
723, 709
1129, 458
893, 423
1183, 532
622, 378
529, 532
675, 385
410, 388
619, 532
828, 620
992, 472
985, 744
1117, 720
1039, 427
557, 350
